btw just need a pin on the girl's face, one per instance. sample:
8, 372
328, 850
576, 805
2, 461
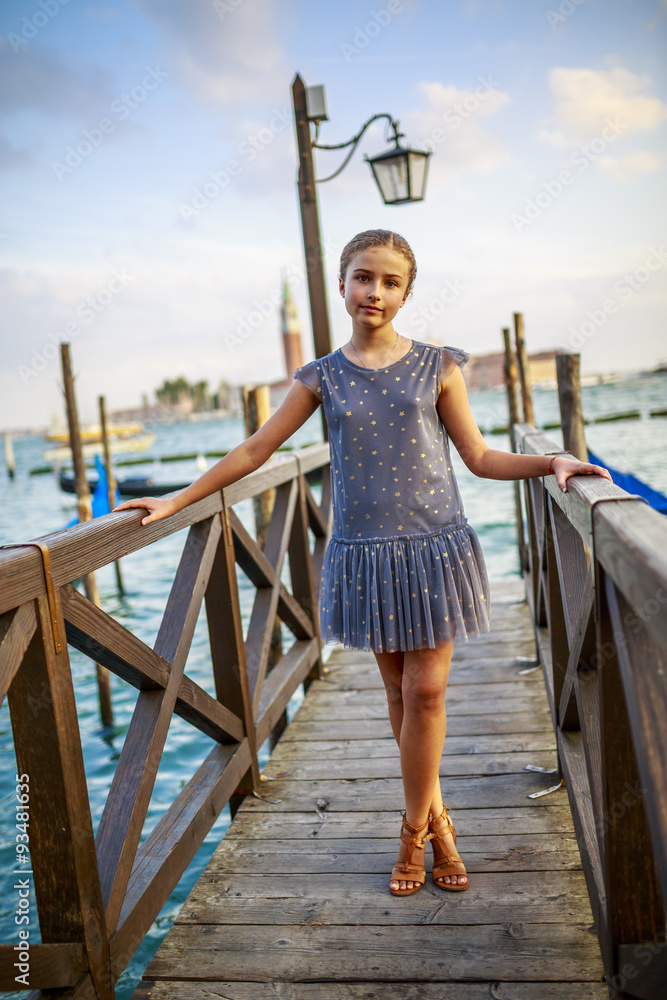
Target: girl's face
375, 286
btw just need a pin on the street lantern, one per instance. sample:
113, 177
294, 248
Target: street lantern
400, 174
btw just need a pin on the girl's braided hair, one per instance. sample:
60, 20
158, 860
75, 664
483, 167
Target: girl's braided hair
373, 239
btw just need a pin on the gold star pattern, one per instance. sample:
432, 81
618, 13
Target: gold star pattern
436, 477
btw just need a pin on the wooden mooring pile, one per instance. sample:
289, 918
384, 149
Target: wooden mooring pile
566, 888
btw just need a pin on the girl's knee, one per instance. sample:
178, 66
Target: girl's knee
424, 696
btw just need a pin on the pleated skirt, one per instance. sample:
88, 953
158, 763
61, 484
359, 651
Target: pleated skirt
406, 591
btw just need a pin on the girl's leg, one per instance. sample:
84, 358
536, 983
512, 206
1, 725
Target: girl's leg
391, 671
415, 682
425, 675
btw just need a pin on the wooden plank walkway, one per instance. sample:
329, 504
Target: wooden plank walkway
294, 903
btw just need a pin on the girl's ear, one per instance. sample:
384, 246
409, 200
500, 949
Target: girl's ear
341, 287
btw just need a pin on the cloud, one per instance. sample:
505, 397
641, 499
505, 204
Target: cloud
448, 124
37, 82
224, 51
628, 167
586, 98
40, 81
12, 158
209, 312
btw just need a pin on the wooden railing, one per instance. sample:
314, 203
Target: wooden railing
596, 576
98, 896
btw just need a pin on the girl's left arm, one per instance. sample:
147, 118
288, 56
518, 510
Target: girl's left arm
489, 463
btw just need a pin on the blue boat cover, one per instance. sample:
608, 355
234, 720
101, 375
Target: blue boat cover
100, 498
630, 483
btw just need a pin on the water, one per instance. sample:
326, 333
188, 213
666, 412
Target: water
34, 505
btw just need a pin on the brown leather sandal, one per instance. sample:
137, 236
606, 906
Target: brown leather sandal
410, 864
444, 863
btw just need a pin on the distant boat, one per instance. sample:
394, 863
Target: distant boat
117, 446
632, 484
130, 487
93, 432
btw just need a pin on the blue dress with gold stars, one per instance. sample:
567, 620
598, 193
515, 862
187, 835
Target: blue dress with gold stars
403, 569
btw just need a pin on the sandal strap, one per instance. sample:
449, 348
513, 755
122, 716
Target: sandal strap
415, 836
405, 866
408, 873
442, 825
416, 840
450, 867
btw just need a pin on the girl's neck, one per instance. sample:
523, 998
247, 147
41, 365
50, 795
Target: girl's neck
375, 348
374, 340
373, 333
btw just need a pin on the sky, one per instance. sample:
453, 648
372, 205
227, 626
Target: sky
148, 206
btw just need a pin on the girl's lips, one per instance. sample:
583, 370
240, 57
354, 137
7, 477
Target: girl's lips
372, 309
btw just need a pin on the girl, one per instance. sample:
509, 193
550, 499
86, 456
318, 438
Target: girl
404, 572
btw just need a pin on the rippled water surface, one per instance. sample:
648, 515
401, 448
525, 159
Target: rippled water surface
34, 505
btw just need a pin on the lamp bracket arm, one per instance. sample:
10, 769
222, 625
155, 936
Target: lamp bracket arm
354, 142
355, 138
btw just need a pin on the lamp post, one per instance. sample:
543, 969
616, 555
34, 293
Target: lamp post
400, 174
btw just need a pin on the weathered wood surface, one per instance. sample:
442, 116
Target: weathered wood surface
372, 991
597, 583
294, 903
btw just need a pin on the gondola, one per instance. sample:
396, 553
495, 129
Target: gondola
132, 486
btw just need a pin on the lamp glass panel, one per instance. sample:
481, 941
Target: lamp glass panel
391, 174
418, 167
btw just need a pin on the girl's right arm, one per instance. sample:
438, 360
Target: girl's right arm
299, 404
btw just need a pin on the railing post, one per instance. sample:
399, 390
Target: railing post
85, 514
301, 570
513, 409
111, 479
535, 498
569, 400
228, 654
524, 370
62, 845
556, 613
256, 404
9, 454
634, 907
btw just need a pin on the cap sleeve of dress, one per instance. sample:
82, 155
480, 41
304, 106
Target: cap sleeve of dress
309, 374
450, 358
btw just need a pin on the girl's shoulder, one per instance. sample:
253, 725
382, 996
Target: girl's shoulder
313, 372
455, 352
447, 359
310, 375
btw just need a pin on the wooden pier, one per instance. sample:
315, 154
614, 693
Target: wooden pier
295, 900
564, 888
